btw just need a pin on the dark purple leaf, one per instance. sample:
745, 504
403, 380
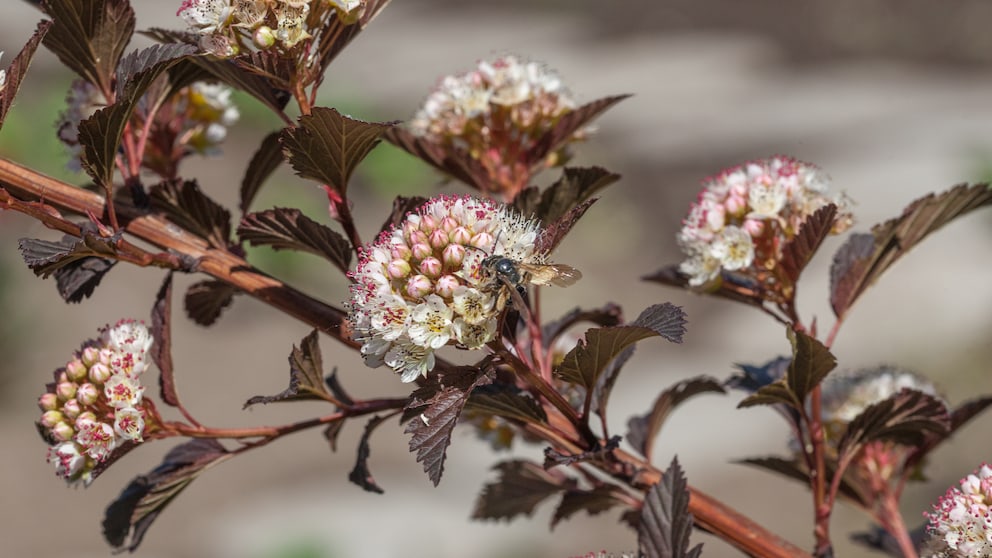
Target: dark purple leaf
508, 402
904, 418
306, 375
337, 34
205, 300
863, 258
585, 363
554, 458
452, 161
162, 345
554, 232
185, 204
795, 470
594, 501
360, 474
958, 418
89, 37
521, 486
263, 163
128, 518
801, 249
277, 70
332, 432
811, 362
137, 70
607, 379
19, 68
45, 257
567, 125
642, 430
255, 85
666, 523
402, 206
575, 186
728, 288
288, 228
77, 280
608, 316
337, 389
752, 378
327, 146
431, 431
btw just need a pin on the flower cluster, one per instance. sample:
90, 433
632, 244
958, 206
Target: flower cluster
95, 403
960, 525
745, 215
496, 113
194, 120
229, 27
421, 284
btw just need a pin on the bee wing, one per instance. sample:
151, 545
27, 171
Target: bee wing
559, 275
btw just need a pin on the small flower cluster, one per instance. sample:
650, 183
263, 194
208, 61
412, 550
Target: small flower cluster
421, 284
960, 525
745, 215
495, 113
229, 27
96, 403
194, 120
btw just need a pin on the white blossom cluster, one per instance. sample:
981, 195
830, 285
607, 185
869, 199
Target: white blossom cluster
960, 525
746, 214
420, 285
95, 403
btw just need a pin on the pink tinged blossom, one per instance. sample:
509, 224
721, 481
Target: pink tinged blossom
398, 269
390, 315
129, 336
431, 326
67, 459
474, 336
961, 522
84, 417
473, 305
421, 250
97, 439
122, 391
438, 239
733, 248
129, 424
767, 200
453, 256
754, 227
410, 360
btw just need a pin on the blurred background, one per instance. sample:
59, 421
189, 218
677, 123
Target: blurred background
892, 98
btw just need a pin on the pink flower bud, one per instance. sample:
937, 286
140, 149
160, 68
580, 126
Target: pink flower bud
736, 204
75, 370
66, 390
62, 377
453, 256
460, 235
446, 286
264, 38
63, 432
99, 373
418, 237
418, 287
398, 269
50, 418
754, 227
428, 223
87, 394
410, 226
421, 251
431, 267
482, 241
72, 408
448, 224
106, 355
84, 417
400, 252
438, 239
89, 356
48, 401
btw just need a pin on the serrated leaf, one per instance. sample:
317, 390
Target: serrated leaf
306, 375
801, 249
729, 287
277, 70
521, 486
137, 70
864, 257
642, 430
594, 501
19, 68
326, 146
608, 316
255, 85
666, 523
585, 363
431, 431
452, 161
263, 163
607, 379
336, 34
811, 362
575, 186
128, 518
554, 232
567, 125
904, 418
205, 300
360, 474
78, 280
45, 257
162, 345
185, 204
402, 206
289, 228
508, 402
89, 36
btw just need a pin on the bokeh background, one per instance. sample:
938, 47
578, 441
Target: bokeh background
892, 98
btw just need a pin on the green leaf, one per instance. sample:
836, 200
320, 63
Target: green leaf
585, 363
162, 346
666, 523
306, 375
811, 362
642, 430
205, 300
263, 163
521, 486
287, 228
326, 146
128, 518
19, 68
89, 36
904, 418
864, 257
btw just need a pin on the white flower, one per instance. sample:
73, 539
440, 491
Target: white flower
128, 423
390, 315
473, 305
733, 248
961, 522
96, 438
766, 200
410, 360
206, 16
129, 336
431, 325
67, 458
474, 336
122, 391
701, 269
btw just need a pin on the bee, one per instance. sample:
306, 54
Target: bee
512, 277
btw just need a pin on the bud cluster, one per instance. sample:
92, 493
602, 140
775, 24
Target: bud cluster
746, 215
229, 27
960, 525
496, 114
421, 285
96, 402
193, 120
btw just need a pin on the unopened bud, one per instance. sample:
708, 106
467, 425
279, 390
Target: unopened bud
438, 239
421, 251
400, 252
428, 223
754, 227
398, 269
66, 390
431, 267
418, 286
460, 235
418, 237
453, 256
90, 356
84, 417
63, 432
87, 394
264, 38
99, 373
48, 401
71, 408
448, 224
106, 355
446, 286
482, 241
50, 418
75, 370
